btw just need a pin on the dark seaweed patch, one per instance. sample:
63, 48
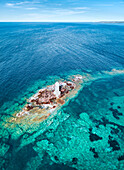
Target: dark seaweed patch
115, 113
116, 94
74, 160
121, 158
94, 137
95, 153
68, 138
111, 103
113, 143
114, 131
56, 158
90, 129
105, 121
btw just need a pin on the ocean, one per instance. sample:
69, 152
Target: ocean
88, 131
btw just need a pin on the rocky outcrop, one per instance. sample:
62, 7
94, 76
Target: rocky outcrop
50, 96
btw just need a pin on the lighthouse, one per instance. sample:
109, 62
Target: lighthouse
57, 92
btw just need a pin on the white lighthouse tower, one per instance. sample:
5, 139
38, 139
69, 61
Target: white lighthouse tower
57, 92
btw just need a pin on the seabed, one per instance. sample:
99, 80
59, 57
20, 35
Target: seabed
86, 132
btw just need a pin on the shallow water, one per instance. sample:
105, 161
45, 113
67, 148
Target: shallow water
87, 132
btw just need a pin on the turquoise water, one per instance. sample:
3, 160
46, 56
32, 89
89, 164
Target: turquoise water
87, 132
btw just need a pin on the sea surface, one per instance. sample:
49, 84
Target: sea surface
88, 131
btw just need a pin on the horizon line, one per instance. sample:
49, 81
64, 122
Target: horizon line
67, 21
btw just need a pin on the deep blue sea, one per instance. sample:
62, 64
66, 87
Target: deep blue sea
34, 52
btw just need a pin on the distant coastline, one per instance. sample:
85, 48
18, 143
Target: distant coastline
111, 21
61, 21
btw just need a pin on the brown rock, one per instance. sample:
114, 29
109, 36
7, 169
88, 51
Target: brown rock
48, 114
62, 95
72, 87
67, 91
42, 90
69, 83
60, 101
29, 107
33, 100
63, 90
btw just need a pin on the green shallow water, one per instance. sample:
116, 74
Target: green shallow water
86, 133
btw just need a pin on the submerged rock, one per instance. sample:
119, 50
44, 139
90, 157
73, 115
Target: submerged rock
114, 144
95, 153
121, 158
93, 136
